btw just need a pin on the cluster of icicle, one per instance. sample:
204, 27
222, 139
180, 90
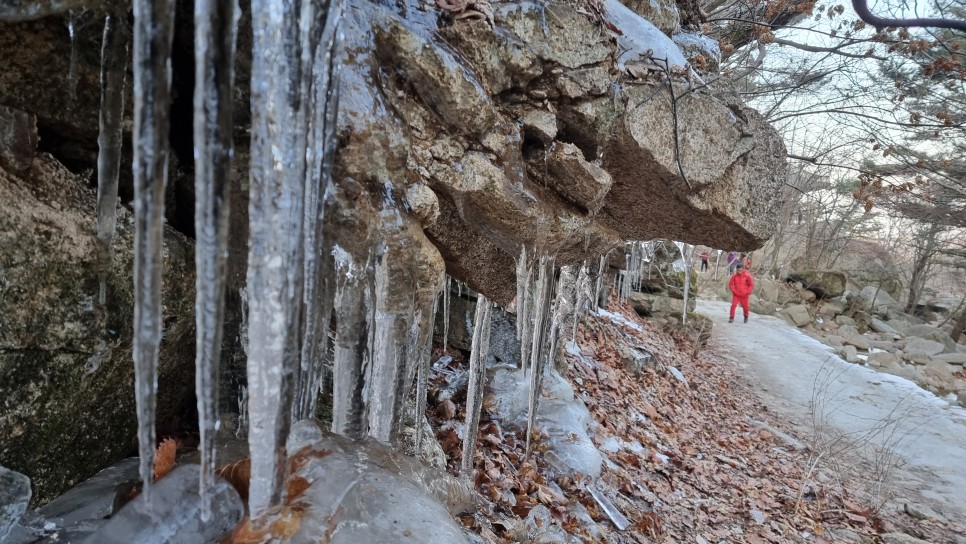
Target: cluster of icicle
294, 102
637, 255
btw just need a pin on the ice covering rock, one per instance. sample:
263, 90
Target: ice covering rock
693, 45
564, 418
640, 40
174, 514
14, 498
362, 491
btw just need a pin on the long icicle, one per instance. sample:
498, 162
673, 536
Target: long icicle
281, 32
114, 55
319, 291
542, 301
446, 296
479, 352
153, 26
353, 344
216, 23
422, 377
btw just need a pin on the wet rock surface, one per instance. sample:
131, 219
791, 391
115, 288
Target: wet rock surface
66, 359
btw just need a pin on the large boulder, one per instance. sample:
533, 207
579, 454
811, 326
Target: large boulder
824, 283
930, 332
798, 315
921, 345
650, 304
876, 300
67, 407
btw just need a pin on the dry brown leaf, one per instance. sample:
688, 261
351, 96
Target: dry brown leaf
238, 475
164, 458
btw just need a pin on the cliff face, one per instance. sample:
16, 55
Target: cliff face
467, 131
488, 125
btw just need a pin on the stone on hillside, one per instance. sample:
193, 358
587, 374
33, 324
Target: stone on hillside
847, 330
882, 344
424, 204
857, 340
930, 332
849, 353
540, 125
911, 373
844, 320
882, 301
939, 376
835, 340
958, 358
767, 289
923, 512
878, 325
761, 307
174, 515
824, 283
901, 538
898, 323
14, 498
798, 314
917, 357
593, 81
961, 398
808, 295
882, 358
68, 397
921, 345
18, 140
831, 308
649, 304
664, 15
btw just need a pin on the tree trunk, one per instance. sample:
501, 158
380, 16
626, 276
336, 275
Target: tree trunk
960, 325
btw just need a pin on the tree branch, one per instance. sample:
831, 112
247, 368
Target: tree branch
861, 8
836, 50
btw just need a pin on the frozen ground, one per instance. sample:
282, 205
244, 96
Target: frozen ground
795, 373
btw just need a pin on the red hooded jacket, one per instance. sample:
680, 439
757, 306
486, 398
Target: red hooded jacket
742, 284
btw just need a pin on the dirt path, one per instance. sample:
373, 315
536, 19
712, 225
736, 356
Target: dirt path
791, 369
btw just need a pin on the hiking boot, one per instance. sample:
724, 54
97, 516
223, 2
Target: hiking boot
731, 320
746, 319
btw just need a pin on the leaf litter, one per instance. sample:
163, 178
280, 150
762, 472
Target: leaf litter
685, 460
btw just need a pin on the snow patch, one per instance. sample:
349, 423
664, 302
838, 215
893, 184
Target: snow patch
640, 39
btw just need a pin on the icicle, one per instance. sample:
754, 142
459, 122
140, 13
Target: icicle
543, 300
216, 23
525, 313
581, 297
284, 37
153, 24
423, 369
685, 250
353, 309
446, 295
479, 352
523, 284
601, 269
114, 54
240, 430
386, 386
72, 29
318, 291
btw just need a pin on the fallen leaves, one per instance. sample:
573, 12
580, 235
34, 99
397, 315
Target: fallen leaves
238, 474
164, 458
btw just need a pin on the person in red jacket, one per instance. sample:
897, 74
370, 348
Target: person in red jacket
741, 285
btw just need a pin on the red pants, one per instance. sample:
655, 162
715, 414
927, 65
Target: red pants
735, 300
